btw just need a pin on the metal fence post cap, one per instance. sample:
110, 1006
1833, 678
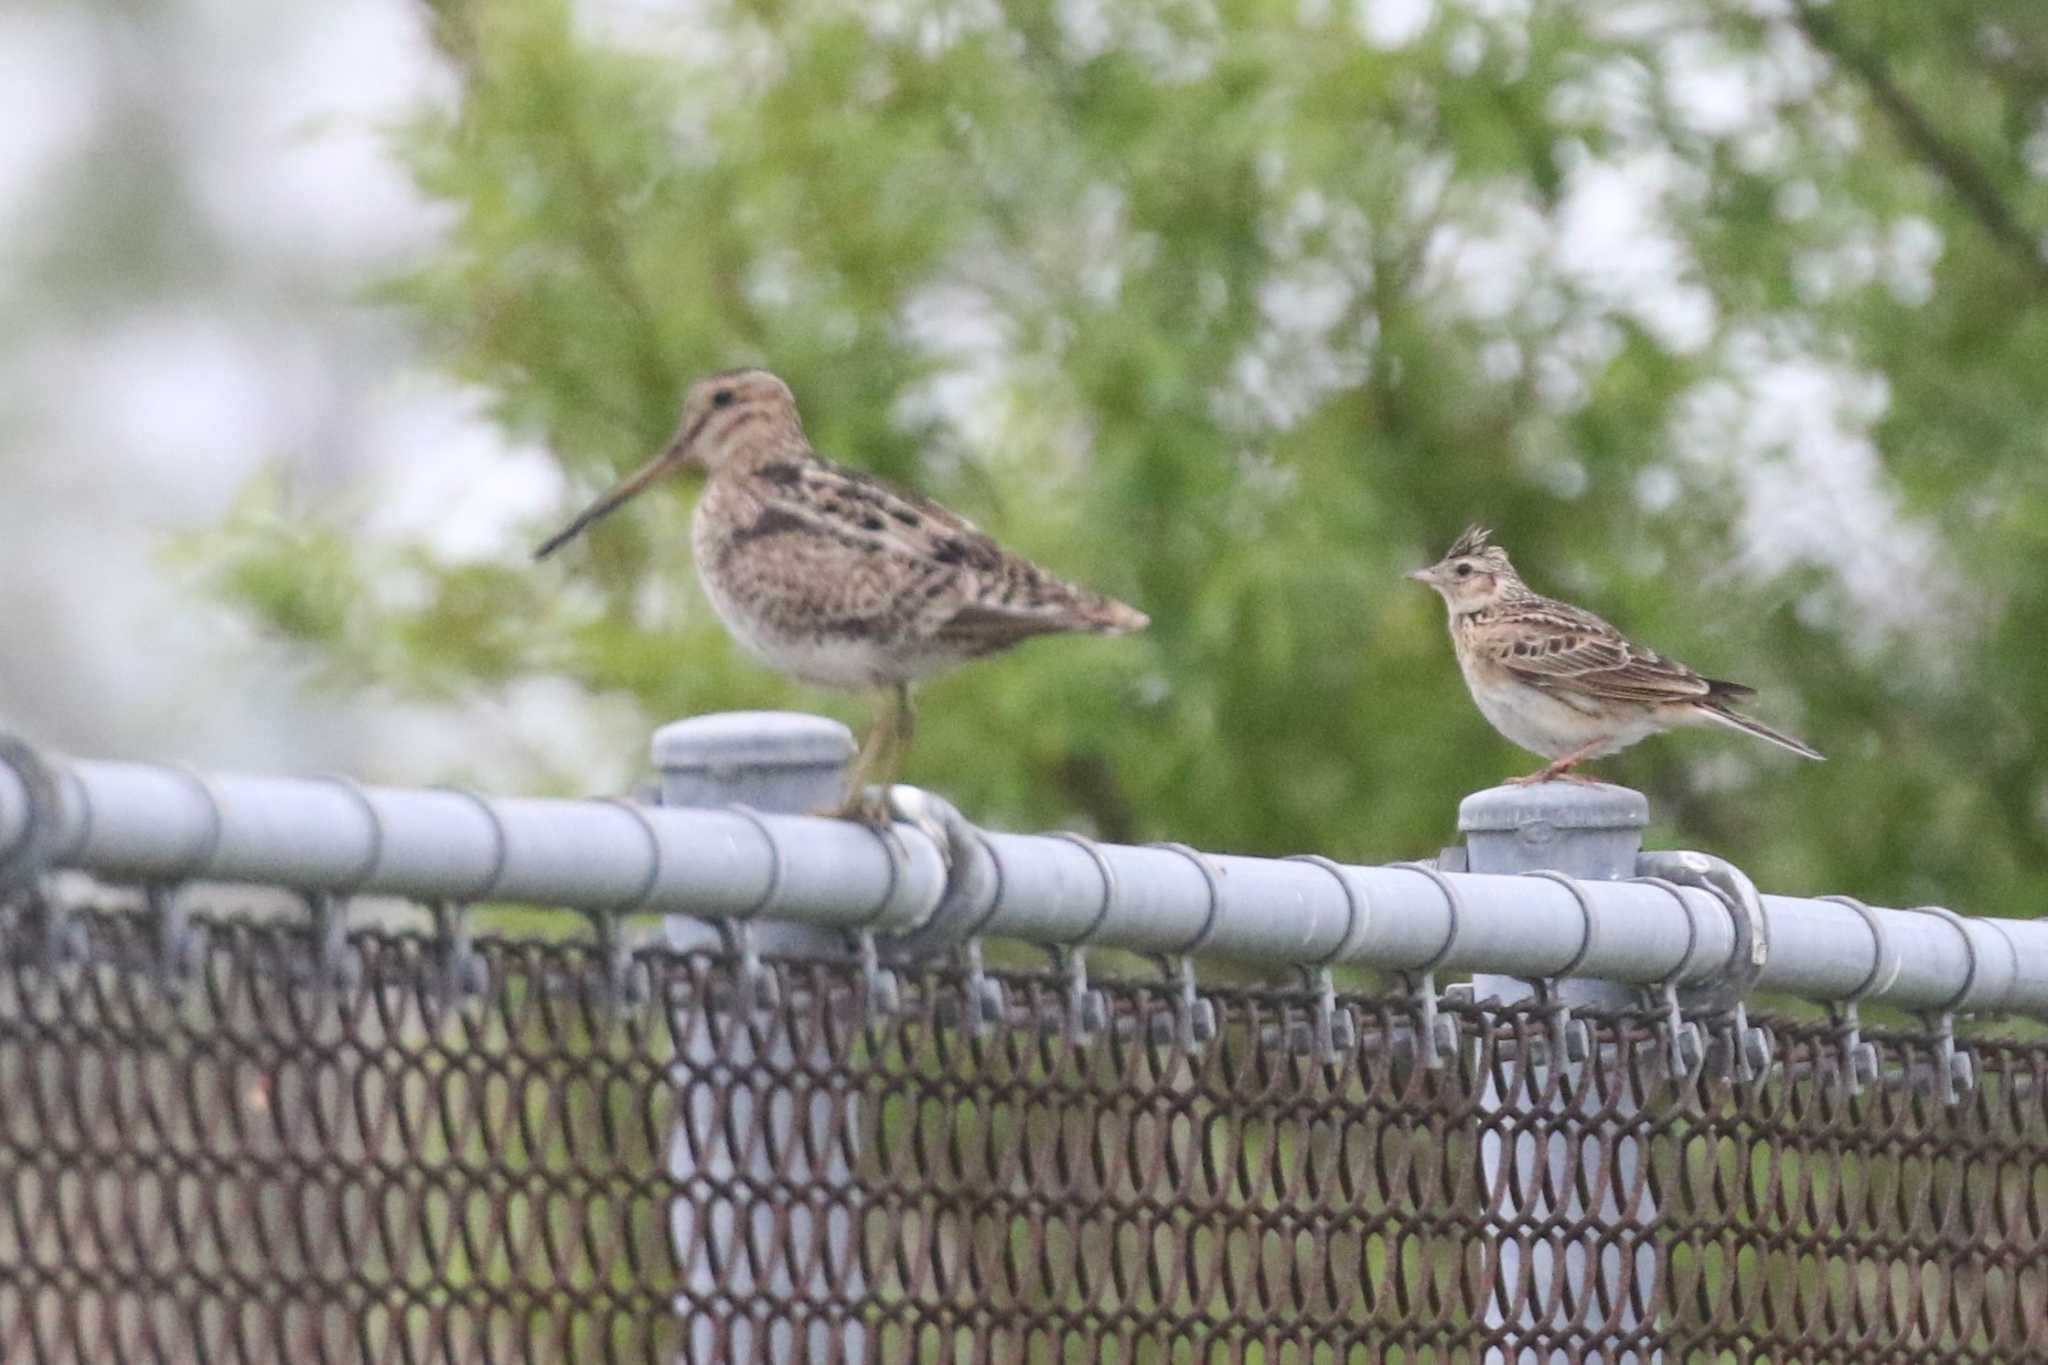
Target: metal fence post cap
1561, 805
1582, 829
752, 739
774, 760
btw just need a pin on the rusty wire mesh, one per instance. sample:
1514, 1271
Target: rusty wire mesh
274, 1163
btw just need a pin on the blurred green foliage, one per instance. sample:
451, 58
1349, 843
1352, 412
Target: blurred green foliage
1237, 309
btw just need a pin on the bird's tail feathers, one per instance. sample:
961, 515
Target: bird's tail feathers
1735, 720
1107, 616
1719, 689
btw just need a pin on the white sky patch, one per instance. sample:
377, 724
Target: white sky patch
1395, 23
144, 432
2035, 148
1101, 247
1570, 354
1715, 91
186, 400
1176, 42
1309, 298
1086, 26
331, 191
139, 420
996, 386
1912, 249
1797, 200
933, 28
49, 91
966, 330
1614, 242
472, 498
1796, 432
1489, 273
1305, 351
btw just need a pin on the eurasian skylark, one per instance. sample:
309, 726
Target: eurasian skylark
836, 578
1561, 682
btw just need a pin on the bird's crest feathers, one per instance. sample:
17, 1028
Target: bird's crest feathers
1472, 541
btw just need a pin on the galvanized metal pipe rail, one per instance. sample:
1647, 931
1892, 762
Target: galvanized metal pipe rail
153, 824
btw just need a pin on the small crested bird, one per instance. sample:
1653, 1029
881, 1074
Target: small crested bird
836, 578
1561, 682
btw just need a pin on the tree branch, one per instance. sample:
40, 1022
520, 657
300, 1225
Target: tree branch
456, 29
452, 26
1962, 173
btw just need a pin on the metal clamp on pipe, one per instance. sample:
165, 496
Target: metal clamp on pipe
974, 878
958, 845
177, 948
177, 943
758, 987
1684, 1045
974, 887
1087, 1013
1195, 1018
464, 975
987, 1004
881, 990
1571, 1040
1858, 1059
459, 973
1955, 1070
1722, 998
1436, 1033
622, 983
332, 962
1335, 1031
1192, 1024
33, 806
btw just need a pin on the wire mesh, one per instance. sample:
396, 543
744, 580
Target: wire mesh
290, 1154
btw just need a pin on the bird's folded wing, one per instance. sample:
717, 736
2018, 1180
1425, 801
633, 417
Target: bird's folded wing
978, 628
864, 509
950, 580
1565, 650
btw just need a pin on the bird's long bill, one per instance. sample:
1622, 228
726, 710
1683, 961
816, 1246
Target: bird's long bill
618, 496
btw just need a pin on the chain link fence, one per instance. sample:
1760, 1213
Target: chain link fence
293, 1146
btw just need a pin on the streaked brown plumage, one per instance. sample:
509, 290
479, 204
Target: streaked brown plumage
1562, 682
837, 578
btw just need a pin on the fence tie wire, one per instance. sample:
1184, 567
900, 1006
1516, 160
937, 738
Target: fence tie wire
1336, 1027
1955, 1068
1858, 1059
1087, 1011
1436, 1032
1685, 1047
1570, 1039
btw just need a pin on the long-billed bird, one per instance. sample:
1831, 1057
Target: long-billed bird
839, 579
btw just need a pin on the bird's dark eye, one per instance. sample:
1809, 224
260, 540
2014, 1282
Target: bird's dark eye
723, 398
1464, 571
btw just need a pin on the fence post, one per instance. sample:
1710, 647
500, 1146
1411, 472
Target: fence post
1598, 1278
764, 1157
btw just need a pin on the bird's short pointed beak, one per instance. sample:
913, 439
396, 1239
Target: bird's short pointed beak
1418, 575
